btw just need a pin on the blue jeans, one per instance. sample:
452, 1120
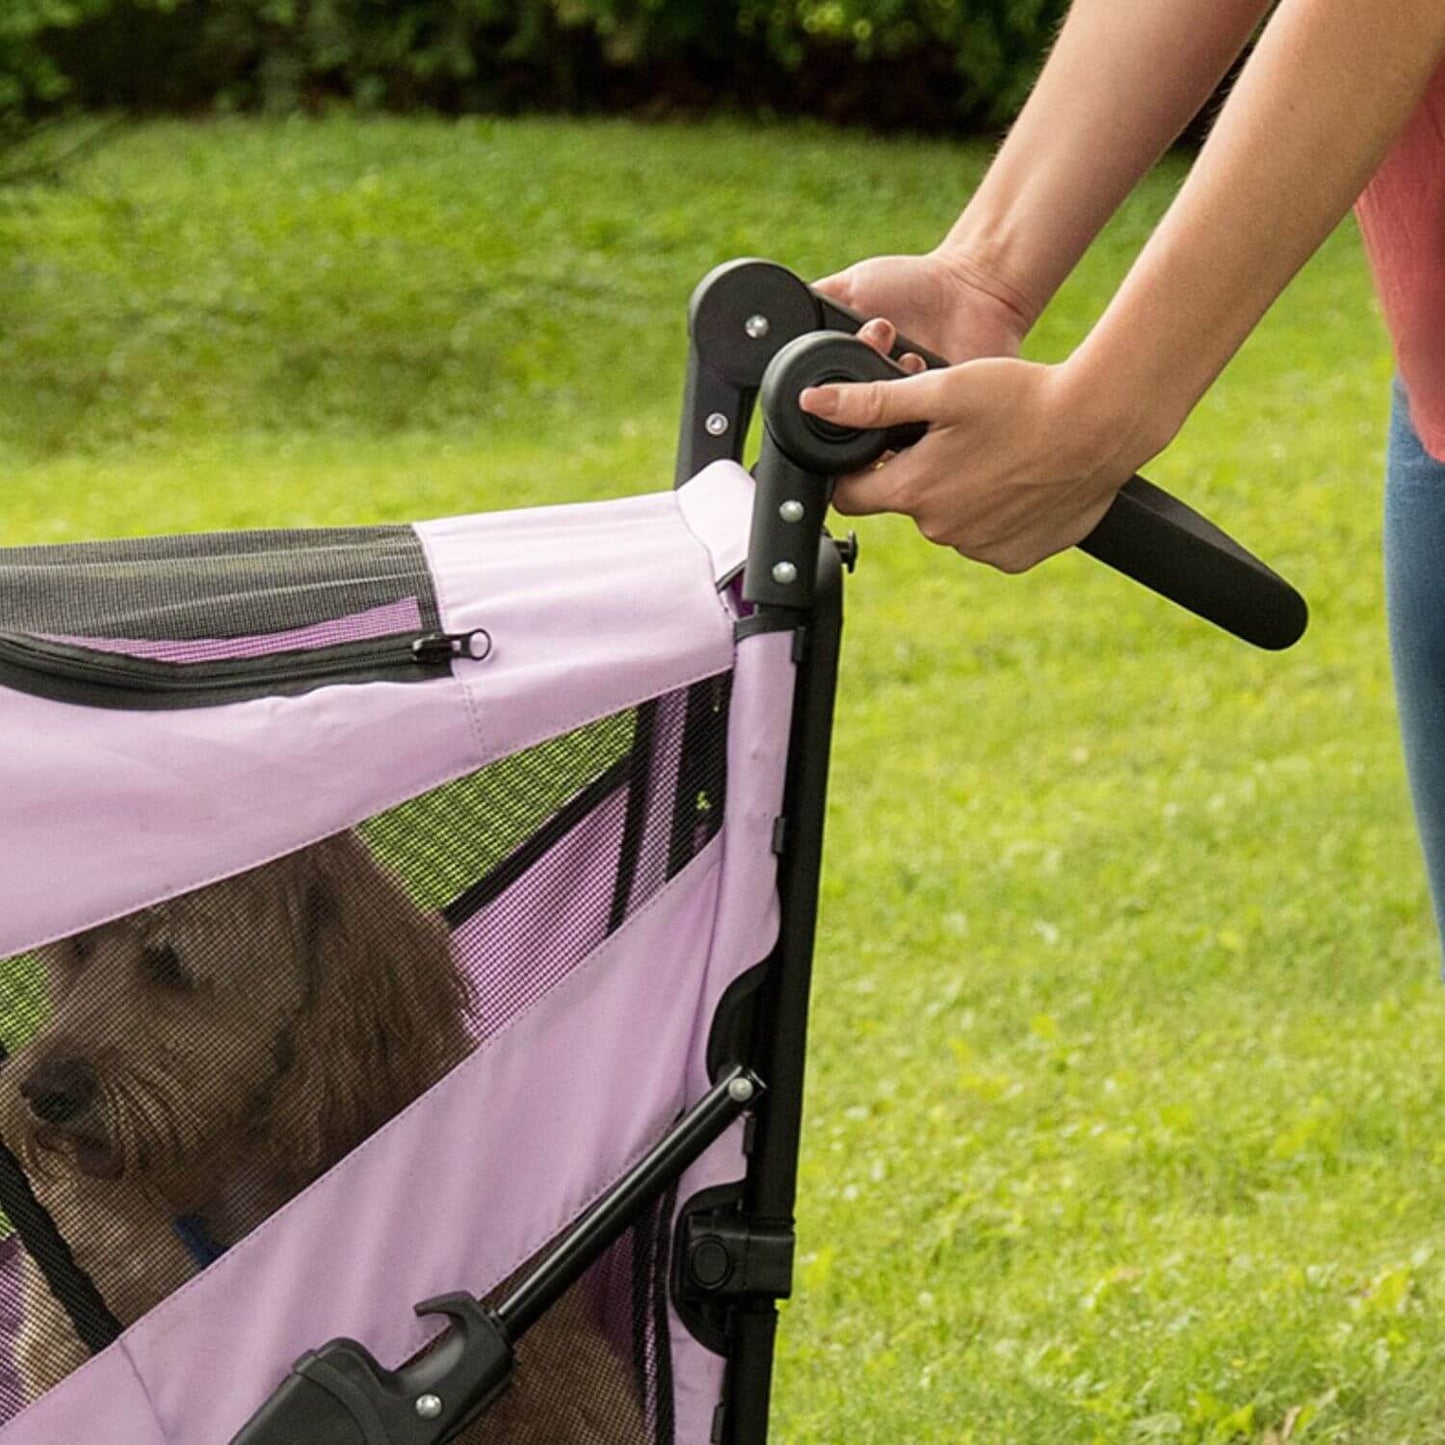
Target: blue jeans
1415, 594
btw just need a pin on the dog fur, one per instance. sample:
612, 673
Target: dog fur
214, 1055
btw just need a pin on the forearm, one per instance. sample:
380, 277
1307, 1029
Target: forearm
1125, 77
1326, 90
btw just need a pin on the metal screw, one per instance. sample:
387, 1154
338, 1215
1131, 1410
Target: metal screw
757, 327
784, 573
791, 511
716, 424
740, 1090
429, 1407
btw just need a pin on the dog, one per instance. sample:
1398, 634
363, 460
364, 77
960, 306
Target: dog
208, 1058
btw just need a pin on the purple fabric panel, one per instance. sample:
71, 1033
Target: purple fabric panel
591, 608
528, 938
104, 812
455, 1192
605, 603
102, 1403
387, 621
747, 927
717, 506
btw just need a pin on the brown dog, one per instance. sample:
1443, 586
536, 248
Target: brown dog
207, 1059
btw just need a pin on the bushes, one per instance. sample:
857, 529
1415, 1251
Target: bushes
931, 62
27, 74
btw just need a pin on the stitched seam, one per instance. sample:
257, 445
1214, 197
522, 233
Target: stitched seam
707, 552
145, 1390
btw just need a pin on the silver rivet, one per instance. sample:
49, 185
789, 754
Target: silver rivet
740, 1090
784, 573
791, 511
716, 424
757, 327
429, 1407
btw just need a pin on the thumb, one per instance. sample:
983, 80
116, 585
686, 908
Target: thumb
869, 405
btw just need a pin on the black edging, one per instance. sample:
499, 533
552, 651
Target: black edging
666, 1431
486, 890
633, 828
87, 677
72, 1287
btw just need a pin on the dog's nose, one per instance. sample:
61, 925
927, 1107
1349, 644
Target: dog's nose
59, 1089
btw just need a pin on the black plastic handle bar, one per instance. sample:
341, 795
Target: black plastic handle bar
745, 312
1159, 541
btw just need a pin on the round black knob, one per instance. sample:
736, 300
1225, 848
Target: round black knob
809, 441
710, 1263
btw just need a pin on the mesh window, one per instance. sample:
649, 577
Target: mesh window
221, 1051
221, 584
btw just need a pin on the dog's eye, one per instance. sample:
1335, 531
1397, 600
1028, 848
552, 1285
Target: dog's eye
164, 965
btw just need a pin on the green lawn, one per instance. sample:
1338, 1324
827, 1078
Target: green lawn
1126, 1119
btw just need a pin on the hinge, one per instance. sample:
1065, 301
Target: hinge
724, 1259
780, 834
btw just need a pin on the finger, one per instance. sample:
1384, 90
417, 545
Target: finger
879, 333
885, 487
870, 404
912, 363
864, 494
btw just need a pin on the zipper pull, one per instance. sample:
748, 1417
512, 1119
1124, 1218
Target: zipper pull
434, 648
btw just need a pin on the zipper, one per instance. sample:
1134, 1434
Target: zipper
73, 673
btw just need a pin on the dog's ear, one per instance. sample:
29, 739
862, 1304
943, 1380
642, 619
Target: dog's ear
384, 1012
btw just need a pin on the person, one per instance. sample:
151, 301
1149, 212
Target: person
1021, 460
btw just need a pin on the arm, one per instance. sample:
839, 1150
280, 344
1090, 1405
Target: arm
1329, 87
1123, 80
1023, 460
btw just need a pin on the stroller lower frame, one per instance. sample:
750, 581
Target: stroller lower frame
759, 335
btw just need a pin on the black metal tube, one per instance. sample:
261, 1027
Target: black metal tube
575, 1253
782, 1030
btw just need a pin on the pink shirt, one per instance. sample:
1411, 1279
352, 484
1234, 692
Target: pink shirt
1402, 214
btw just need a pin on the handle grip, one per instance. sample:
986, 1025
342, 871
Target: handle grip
1159, 541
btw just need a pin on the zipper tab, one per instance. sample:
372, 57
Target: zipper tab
440, 647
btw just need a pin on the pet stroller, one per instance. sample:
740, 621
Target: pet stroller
425, 913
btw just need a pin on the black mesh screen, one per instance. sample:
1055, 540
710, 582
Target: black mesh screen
175, 1076
222, 584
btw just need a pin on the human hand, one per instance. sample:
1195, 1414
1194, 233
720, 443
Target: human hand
1020, 461
938, 300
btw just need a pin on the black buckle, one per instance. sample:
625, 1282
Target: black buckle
340, 1395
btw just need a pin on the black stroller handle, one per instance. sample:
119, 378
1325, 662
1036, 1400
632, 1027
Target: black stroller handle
746, 314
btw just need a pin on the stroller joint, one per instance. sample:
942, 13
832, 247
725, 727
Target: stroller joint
726, 1258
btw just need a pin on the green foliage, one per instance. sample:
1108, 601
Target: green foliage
27, 73
1125, 1118
936, 61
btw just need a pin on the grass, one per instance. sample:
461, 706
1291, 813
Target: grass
1125, 1119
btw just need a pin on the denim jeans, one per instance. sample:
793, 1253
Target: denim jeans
1415, 594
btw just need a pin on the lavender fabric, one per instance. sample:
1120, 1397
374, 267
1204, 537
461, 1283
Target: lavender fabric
583, 1063
393, 619
534, 934
591, 609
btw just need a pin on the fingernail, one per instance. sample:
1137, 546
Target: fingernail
820, 400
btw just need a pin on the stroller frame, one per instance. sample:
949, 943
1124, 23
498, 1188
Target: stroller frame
759, 336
